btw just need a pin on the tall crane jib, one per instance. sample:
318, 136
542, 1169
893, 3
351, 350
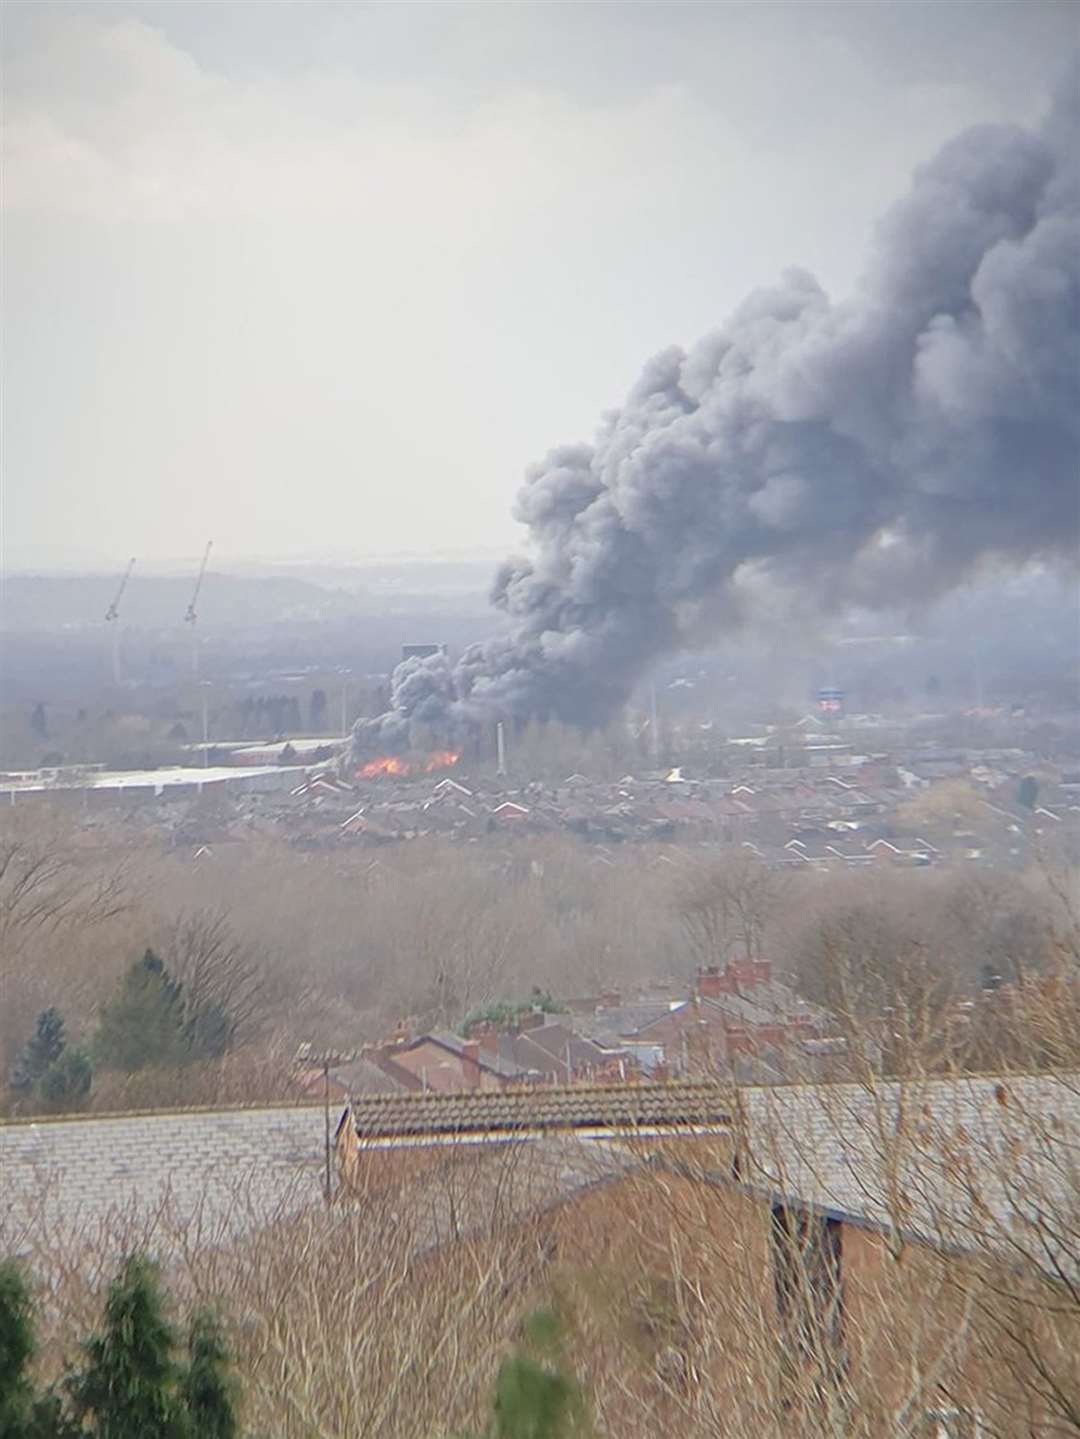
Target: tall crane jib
112, 617
113, 612
191, 615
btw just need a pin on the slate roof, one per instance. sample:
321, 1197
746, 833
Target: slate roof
539, 1109
964, 1161
364, 1076
544, 1049
446, 1039
229, 1170
761, 1004
610, 1023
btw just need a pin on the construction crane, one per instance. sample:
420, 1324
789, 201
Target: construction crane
191, 616
112, 617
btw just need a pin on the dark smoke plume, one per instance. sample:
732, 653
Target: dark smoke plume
873, 452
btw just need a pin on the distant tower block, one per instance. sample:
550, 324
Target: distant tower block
421, 652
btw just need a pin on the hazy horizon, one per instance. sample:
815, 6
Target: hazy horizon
323, 280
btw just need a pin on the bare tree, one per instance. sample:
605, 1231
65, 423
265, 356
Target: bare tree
723, 908
216, 970
45, 885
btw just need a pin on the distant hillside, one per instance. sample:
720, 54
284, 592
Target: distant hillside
65, 602
79, 601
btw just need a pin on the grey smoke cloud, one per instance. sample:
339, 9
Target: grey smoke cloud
874, 451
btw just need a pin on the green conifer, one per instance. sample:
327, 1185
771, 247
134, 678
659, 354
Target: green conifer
143, 1023
128, 1388
16, 1350
44, 1047
66, 1082
206, 1390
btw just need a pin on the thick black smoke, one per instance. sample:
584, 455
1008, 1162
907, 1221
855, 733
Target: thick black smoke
872, 452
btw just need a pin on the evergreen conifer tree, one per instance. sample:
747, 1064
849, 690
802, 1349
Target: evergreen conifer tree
128, 1388
536, 1394
206, 1390
16, 1350
143, 1023
66, 1082
24, 1415
532, 1401
43, 1048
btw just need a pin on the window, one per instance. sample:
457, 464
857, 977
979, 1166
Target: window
807, 1272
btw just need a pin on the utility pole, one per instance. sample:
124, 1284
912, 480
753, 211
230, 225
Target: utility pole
326, 1061
654, 725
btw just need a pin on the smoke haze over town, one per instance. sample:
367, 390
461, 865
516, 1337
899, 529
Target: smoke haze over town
872, 452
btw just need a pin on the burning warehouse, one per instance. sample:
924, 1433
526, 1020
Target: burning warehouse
394, 766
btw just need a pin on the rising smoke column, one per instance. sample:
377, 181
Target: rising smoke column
872, 452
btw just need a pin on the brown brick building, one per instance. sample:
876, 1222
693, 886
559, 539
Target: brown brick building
802, 1260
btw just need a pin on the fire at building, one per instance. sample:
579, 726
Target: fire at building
401, 766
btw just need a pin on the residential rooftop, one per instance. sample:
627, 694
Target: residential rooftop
641, 1108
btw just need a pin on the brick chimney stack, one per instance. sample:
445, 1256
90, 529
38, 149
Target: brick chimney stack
712, 981
486, 1036
470, 1063
737, 976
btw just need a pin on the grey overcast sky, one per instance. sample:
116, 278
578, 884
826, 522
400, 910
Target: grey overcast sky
325, 278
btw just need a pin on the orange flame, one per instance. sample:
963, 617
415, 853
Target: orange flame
388, 764
441, 759
399, 768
